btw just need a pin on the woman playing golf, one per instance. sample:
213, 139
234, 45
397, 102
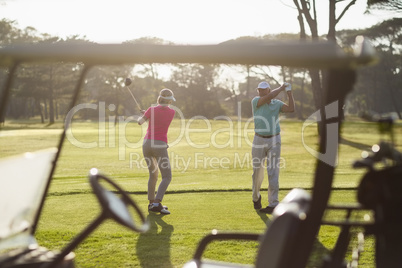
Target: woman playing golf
155, 147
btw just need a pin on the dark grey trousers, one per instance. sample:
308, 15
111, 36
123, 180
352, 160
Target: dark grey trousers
156, 156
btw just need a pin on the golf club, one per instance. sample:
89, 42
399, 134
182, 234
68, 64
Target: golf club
128, 82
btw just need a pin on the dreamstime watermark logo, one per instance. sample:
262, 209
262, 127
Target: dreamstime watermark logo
233, 135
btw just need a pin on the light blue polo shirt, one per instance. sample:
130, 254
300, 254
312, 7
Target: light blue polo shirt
266, 117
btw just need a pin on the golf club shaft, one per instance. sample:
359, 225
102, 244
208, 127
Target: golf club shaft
132, 95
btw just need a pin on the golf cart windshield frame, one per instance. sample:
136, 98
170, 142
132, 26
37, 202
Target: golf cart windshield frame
341, 67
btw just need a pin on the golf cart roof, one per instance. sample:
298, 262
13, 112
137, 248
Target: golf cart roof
292, 54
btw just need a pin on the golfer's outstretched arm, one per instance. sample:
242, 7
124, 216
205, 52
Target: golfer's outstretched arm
271, 95
142, 119
289, 108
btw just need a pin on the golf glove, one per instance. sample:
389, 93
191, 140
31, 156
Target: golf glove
288, 87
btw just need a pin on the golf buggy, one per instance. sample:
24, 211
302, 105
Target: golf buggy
297, 218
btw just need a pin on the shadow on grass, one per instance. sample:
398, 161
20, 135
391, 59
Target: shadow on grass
153, 247
264, 217
357, 145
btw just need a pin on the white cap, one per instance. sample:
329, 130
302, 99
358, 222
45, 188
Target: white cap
167, 94
264, 85
168, 98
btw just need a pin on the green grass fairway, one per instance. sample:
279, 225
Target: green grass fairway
210, 189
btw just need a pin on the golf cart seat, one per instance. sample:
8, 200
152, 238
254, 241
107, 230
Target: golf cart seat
23, 182
276, 244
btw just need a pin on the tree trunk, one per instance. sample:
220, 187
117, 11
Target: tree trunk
45, 109
301, 116
51, 100
51, 110
56, 105
304, 11
39, 107
248, 81
332, 20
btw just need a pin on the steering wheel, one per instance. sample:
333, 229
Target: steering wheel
113, 207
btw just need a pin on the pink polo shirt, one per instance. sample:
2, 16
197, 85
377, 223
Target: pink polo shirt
159, 119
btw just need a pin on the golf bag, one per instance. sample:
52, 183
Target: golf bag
381, 191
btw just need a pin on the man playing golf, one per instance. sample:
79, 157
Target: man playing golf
267, 141
155, 147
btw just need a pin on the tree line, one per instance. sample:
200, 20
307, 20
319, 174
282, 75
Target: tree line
209, 90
